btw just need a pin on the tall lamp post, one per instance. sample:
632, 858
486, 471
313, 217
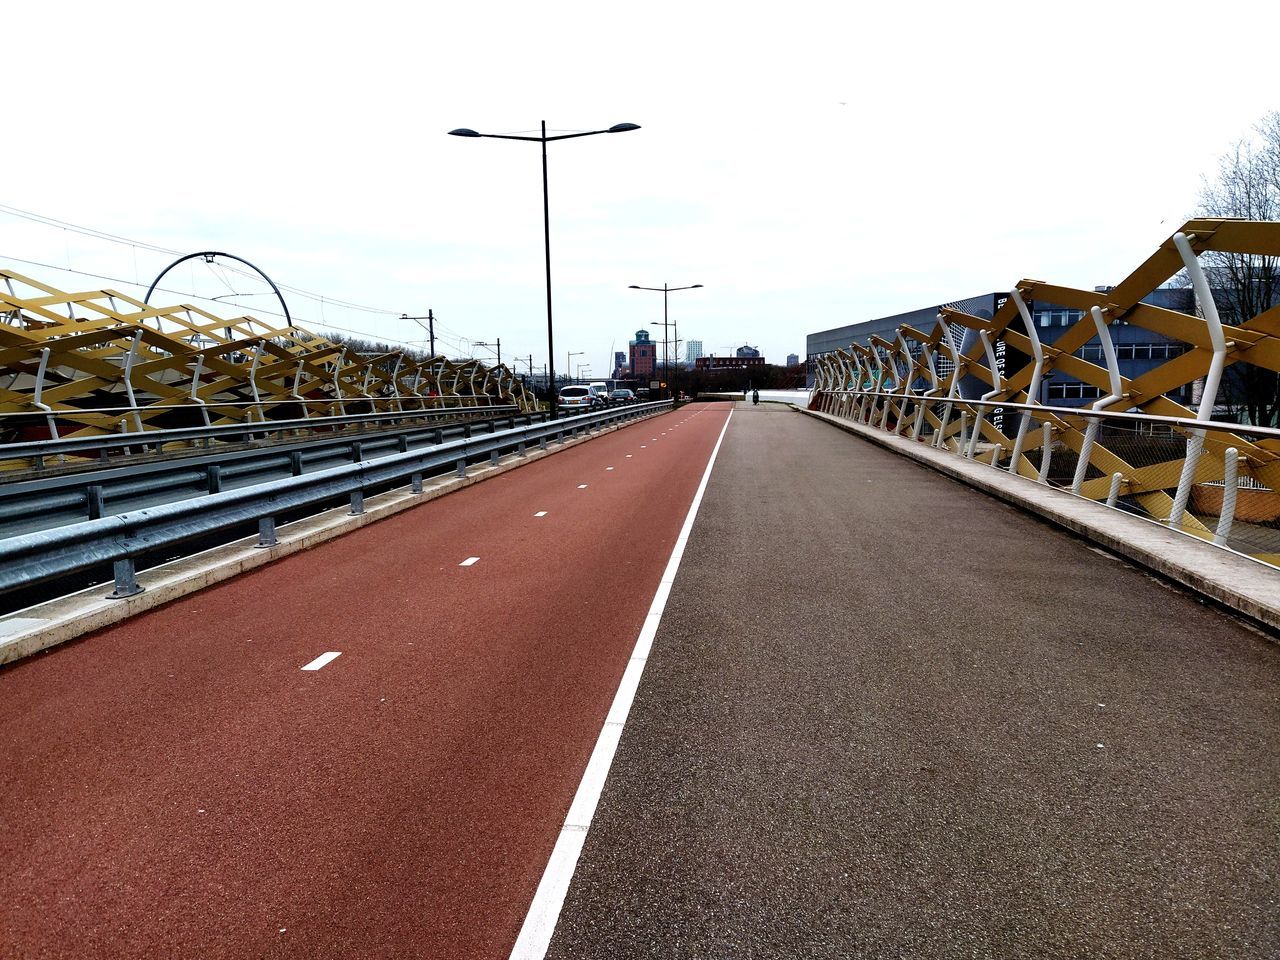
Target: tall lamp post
664, 290
546, 214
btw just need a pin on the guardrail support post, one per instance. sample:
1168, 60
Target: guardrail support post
126, 580
295, 463
403, 445
520, 449
214, 473
1230, 487
542, 443
415, 483
462, 468
94, 501
357, 451
357, 502
493, 458
267, 532
439, 438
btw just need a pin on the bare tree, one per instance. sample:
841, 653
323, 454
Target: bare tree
1247, 185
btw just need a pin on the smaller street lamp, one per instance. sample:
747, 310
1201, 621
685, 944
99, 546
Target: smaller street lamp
664, 290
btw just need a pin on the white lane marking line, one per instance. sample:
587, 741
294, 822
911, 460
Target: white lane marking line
468, 562
582, 486
541, 513
323, 659
608, 468
540, 921
644, 446
628, 456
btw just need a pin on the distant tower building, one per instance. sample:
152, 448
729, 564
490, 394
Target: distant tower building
793, 359
619, 364
746, 351
644, 356
693, 350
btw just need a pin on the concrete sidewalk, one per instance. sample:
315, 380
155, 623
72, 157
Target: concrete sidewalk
888, 716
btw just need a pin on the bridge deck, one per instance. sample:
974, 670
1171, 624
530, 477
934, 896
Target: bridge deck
888, 716
869, 726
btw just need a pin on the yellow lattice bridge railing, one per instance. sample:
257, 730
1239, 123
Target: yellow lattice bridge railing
1135, 447
79, 364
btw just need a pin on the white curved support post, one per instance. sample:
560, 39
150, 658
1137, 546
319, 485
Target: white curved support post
927, 350
195, 388
38, 392
253, 380
908, 379
395, 383
417, 382
996, 390
953, 388
338, 361
1117, 393
1033, 388
887, 366
1046, 451
297, 382
1230, 490
1113, 494
1212, 380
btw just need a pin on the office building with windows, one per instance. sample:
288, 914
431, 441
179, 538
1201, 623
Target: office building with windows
1137, 350
692, 350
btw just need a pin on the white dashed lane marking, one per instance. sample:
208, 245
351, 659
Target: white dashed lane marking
468, 562
582, 486
608, 468
541, 513
323, 659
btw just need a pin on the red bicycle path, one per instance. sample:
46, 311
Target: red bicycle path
177, 786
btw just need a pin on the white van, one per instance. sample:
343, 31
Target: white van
600, 390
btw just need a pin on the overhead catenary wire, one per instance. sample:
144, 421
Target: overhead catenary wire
457, 342
155, 248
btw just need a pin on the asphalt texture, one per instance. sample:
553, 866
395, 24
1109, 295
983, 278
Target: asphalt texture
178, 786
887, 716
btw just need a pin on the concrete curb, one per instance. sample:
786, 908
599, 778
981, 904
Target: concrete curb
1229, 579
48, 624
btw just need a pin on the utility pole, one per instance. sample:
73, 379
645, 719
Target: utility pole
430, 327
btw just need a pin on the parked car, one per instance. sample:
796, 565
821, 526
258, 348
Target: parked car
577, 399
642, 393
622, 396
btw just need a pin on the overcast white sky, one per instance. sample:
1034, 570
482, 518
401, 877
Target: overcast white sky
811, 166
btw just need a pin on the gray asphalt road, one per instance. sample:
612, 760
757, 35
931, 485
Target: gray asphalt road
886, 716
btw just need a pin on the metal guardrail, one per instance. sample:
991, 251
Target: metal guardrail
52, 500
1204, 478
100, 447
51, 554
